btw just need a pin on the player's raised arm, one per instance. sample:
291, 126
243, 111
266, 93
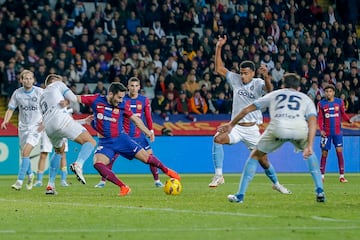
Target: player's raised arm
219, 65
267, 78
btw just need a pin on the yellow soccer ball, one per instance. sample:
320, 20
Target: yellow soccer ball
172, 187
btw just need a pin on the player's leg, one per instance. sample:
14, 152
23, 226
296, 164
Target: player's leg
152, 160
247, 176
63, 170
24, 166
54, 167
102, 181
88, 144
251, 136
218, 158
101, 159
45, 148
271, 174
338, 143
325, 145
312, 163
144, 143
41, 168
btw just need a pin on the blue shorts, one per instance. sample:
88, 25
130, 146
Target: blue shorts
122, 145
325, 142
143, 142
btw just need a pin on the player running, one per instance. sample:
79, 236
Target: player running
109, 113
140, 106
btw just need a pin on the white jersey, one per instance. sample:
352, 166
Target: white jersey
28, 104
57, 120
289, 111
52, 95
244, 95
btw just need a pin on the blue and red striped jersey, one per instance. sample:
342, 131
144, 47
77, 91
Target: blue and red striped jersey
140, 106
330, 115
108, 119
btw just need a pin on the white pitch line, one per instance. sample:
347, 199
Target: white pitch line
182, 230
326, 219
145, 208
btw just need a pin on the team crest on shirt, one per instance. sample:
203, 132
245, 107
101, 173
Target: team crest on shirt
139, 107
336, 108
34, 99
116, 111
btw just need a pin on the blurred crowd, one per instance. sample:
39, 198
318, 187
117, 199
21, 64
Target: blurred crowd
169, 45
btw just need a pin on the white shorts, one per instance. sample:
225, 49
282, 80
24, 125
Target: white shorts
248, 135
31, 137
273, 139
63, 126
46, 146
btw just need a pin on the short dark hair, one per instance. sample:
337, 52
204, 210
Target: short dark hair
329, 86
291, 80
116, 87
248, 64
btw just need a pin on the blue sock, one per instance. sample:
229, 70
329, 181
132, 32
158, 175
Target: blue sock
54, 166
85, 152
271, 174
63, 174
218, 157
247, 175
313, 166
29, 170
40, 176
24, 167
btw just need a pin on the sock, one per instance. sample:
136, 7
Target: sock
153, 161
109, 166
322, 164
271, 174
40, 176
314, 170
29, 170
85, 152
247, 175
63, 173
218, 157
155, 172
54, 166
340, 158
108, 174
25, 163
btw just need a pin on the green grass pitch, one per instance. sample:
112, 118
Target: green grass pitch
84, 212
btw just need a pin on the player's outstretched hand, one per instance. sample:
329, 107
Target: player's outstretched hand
308, 151
224, 128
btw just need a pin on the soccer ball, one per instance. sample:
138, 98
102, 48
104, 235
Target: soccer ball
172, 187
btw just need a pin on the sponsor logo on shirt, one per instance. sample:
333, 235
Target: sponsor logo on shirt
28, 108
101, 116
245, 93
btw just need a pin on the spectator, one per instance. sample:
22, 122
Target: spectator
158, 105
353, 103
191, 85
197, 104
277, 74
100, 88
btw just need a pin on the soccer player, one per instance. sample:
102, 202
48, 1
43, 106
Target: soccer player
59, 125
330, 112
246, 89
26, 99
109, 112
140, 106
293, 119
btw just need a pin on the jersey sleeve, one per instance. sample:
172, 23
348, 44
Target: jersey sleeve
13, 103
148, 117
320, 118
88, 99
